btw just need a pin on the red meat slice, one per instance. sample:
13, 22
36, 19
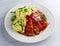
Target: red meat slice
36, 16
29, 27
36, 22
36, 26
44, 25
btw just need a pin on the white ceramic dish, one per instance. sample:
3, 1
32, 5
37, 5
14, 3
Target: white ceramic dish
42, 36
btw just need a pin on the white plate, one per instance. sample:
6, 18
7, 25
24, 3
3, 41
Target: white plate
43, 35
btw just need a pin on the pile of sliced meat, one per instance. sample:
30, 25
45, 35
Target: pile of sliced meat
34, 24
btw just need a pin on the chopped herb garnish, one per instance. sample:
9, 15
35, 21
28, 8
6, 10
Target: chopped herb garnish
43, 17
32, 9
22, 27
13, 18
25, 10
